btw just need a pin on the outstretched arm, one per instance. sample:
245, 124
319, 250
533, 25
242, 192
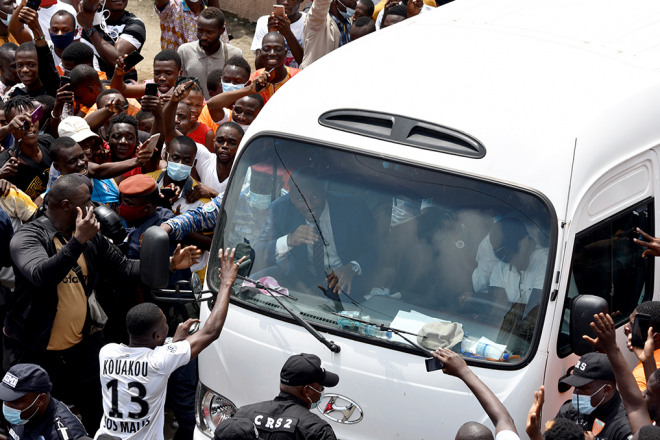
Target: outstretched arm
213, 326
456, 366
638, 414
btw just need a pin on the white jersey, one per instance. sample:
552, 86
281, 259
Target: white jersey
134, 382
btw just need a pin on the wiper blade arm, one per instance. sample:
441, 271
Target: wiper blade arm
330, 344
385, 328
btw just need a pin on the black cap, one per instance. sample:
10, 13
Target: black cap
590, 367
22, 379
305, 369
237, 429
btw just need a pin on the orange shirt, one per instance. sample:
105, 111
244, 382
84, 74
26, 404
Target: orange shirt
638, 372
272, 88
206, 119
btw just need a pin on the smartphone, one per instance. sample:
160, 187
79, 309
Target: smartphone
278, 10
33, 4
37, 114
168, 193
64, 80
433, 365
640, 330
192, 83
152, 141
151, 89
132, 59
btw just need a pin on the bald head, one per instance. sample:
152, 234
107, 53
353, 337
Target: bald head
474, 431
274, 37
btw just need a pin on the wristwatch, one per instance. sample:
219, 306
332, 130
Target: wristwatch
90, 31
356, 268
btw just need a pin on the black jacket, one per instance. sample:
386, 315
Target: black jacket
57, 423
290, 419
39, 268
612, 413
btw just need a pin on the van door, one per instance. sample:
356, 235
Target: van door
602, 259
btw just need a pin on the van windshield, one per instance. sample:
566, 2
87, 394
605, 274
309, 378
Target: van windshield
454, 261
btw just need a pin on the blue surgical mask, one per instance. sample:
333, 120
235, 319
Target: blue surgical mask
583, 403
13, 416
260, 201
349, 12
315, 404
62, 41
230, 87
178, 171
6, 20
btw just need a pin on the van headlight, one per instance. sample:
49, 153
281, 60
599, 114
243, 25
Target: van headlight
211, 409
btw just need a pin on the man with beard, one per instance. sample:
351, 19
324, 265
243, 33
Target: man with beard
208, 53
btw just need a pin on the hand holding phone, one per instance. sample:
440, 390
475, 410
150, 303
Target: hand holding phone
640, 330
151, 143
278, 10
151, 89
131, 60
433, 364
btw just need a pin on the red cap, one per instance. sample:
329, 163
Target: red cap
137, 186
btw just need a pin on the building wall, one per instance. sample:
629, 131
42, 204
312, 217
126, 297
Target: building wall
248, 9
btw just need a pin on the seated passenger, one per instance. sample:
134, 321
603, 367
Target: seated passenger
312, 236
517, 279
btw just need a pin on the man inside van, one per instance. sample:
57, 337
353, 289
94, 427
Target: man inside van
596, 403
313, 236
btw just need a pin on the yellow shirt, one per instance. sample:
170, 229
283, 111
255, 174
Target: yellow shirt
638, 372
379, 7
71, 308
18, 204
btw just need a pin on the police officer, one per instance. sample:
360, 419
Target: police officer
31, 411
596, 403
302, 381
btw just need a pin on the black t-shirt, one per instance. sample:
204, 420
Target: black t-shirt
133, 30
31, 180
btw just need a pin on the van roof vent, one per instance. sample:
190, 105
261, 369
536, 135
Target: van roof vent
403, 130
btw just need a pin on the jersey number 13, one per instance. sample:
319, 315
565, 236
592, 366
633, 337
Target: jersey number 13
139, 399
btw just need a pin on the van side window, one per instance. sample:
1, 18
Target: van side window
608, 263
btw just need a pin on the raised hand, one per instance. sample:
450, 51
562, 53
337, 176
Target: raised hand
305, 234
653, 244
10, 168
184, 258
603, 326
454, 365
533, 427
183, 330
86, 227
228, 269
181, 91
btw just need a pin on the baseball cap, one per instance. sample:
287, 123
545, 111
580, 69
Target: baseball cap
22, 379
304, 369
236, 429
590, 367
76, 128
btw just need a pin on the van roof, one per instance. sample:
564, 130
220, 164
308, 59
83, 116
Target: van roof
533, 81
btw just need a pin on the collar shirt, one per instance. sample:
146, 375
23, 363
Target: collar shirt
195, 62
518, 285
344, 30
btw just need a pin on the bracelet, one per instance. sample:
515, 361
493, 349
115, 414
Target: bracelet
52, 115
40, 38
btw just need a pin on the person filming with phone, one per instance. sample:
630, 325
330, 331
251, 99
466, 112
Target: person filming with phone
645, 316
59, 259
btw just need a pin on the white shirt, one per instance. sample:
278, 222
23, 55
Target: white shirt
518, 285
136, 377
379, 20
330, 258
507, 435
297, 29
206, 167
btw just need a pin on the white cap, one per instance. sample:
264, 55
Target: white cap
76, 128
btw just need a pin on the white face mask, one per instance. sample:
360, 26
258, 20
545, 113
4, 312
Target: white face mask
260, 201
230, 87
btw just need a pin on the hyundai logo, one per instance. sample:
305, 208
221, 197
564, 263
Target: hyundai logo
340, 409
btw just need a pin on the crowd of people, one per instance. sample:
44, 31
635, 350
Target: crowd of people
91, 157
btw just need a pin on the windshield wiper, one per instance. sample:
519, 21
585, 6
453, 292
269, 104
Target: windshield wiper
330, 344
385, 328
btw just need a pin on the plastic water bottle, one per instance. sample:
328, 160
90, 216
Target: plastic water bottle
479, 348
372, 330
349, 323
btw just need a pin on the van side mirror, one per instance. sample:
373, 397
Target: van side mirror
583, 309
155, 258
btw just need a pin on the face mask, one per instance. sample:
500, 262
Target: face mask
260, 201
131, 213
349, 12
583, 403
62, 41
6, 21
315, 404
13, 416
229, 87
178, 171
